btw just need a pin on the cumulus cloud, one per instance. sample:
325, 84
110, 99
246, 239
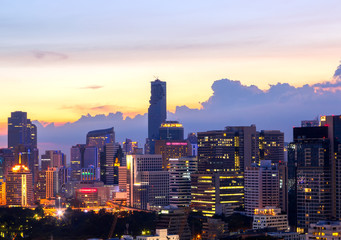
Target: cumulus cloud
280, 107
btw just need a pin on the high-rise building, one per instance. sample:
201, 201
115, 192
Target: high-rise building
2, 192
52, 159
193, 139
51, 183
310, 180
29, 157
19, 186
172, 149
129, 146
157, 112
22, 138
261, 187
171, 130
147, 184
83, 156
180, 170
231, 149
21, 130
107, 164
271, 146
175, 220
40, 186
217, 192
64, 177
334, 133
6, 161
98, 138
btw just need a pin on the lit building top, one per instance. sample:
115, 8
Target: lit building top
20, 167
267, 211
171, 124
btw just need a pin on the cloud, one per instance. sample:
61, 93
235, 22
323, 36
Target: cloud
280, 107
46, 55
92, 87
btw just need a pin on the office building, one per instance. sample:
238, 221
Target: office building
147, 184
270, 217
19, 186
217, 192
51, 183
6, 161
171, 130
152, 189
271, 146
52, 159
172, 149
99, 138
326, 230
89, 174
193, 139
64, 177
22, 139
21, 131
175, 220
310, 176
107, 164
2, 192
83, 156
231, 149
261, 187
180, 170
157, 112
40, 186
333, 123
122, 178
129, 147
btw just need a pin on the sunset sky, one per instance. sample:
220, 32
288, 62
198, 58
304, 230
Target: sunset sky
63, 59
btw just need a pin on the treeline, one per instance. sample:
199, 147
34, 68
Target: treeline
73, 224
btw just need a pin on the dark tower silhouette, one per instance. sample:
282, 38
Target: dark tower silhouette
157, 112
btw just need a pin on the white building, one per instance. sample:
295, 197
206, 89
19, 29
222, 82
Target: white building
161, 234
326, 230
180, 170
270, 217
261, 187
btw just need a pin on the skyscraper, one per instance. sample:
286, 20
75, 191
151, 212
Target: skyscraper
19, 187
180, 171
157, 111
310, 177
271, 145
231, 149
261, 187
22, 138
83, 156
21, 130
98, 138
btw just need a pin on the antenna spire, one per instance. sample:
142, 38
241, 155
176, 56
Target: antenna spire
19, 158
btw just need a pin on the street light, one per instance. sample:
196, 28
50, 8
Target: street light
59, 202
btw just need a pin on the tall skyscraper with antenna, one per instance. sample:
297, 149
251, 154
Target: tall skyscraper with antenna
157, 112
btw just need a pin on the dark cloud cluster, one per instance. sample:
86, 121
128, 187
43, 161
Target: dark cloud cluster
280, 107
